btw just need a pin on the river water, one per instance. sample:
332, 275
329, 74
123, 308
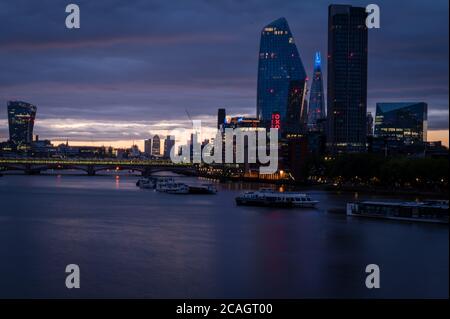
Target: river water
134, 243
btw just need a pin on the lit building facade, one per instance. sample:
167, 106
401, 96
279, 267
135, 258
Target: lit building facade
282, 79
242, 122
21, 116
405, 122
347, 79
316, 111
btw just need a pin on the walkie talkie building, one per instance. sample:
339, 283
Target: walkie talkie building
21, 117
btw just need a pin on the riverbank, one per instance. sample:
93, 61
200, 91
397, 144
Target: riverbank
380, 190
362, 189
388, 191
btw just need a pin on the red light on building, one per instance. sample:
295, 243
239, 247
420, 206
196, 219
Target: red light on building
276, 120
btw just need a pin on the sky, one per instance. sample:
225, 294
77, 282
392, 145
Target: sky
135, 67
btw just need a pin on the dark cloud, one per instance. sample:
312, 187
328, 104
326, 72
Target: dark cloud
148, 61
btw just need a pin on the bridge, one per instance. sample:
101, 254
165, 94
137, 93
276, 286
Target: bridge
92, 166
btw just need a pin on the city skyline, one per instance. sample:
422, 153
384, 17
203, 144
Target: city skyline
100, 86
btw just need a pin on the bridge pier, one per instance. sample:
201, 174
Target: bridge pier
147, 172
91, 171
32, 171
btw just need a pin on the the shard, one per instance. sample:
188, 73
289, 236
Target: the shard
316, 111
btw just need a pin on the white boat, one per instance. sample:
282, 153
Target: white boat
174, 188
271, 198
146, 183
163, 182
168, 185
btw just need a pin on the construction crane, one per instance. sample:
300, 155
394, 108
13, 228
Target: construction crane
190, 119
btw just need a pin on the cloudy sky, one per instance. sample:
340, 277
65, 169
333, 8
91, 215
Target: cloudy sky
135, 66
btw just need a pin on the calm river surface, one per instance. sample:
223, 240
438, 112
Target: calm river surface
130, 242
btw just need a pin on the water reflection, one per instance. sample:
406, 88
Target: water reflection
132, 242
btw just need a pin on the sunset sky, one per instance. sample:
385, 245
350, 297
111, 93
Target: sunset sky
134, 67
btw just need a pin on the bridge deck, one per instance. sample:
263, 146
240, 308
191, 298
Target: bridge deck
94, 162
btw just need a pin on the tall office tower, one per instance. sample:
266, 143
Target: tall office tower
347, 79
156, 146
221, 115
21, 117
369, 124
282, 79
168, 144
402, 122
316, 97
148, 147
195, 146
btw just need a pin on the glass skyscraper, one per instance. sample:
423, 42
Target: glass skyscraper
316, 97
347, 79
405, 122
281, 78
21, 117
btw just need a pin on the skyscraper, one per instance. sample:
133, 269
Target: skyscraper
369, 124
21, 117
148, 147
156, 146
168, 144
404, 122
221, 115
281, 78
347, 78
316, 97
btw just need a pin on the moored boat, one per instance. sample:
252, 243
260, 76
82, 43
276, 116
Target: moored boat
174, 188
203, 189
270, 198
427, 211
168, 185
163, 182
146, 183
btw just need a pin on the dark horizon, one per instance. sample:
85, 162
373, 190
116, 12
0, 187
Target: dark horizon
115, 78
